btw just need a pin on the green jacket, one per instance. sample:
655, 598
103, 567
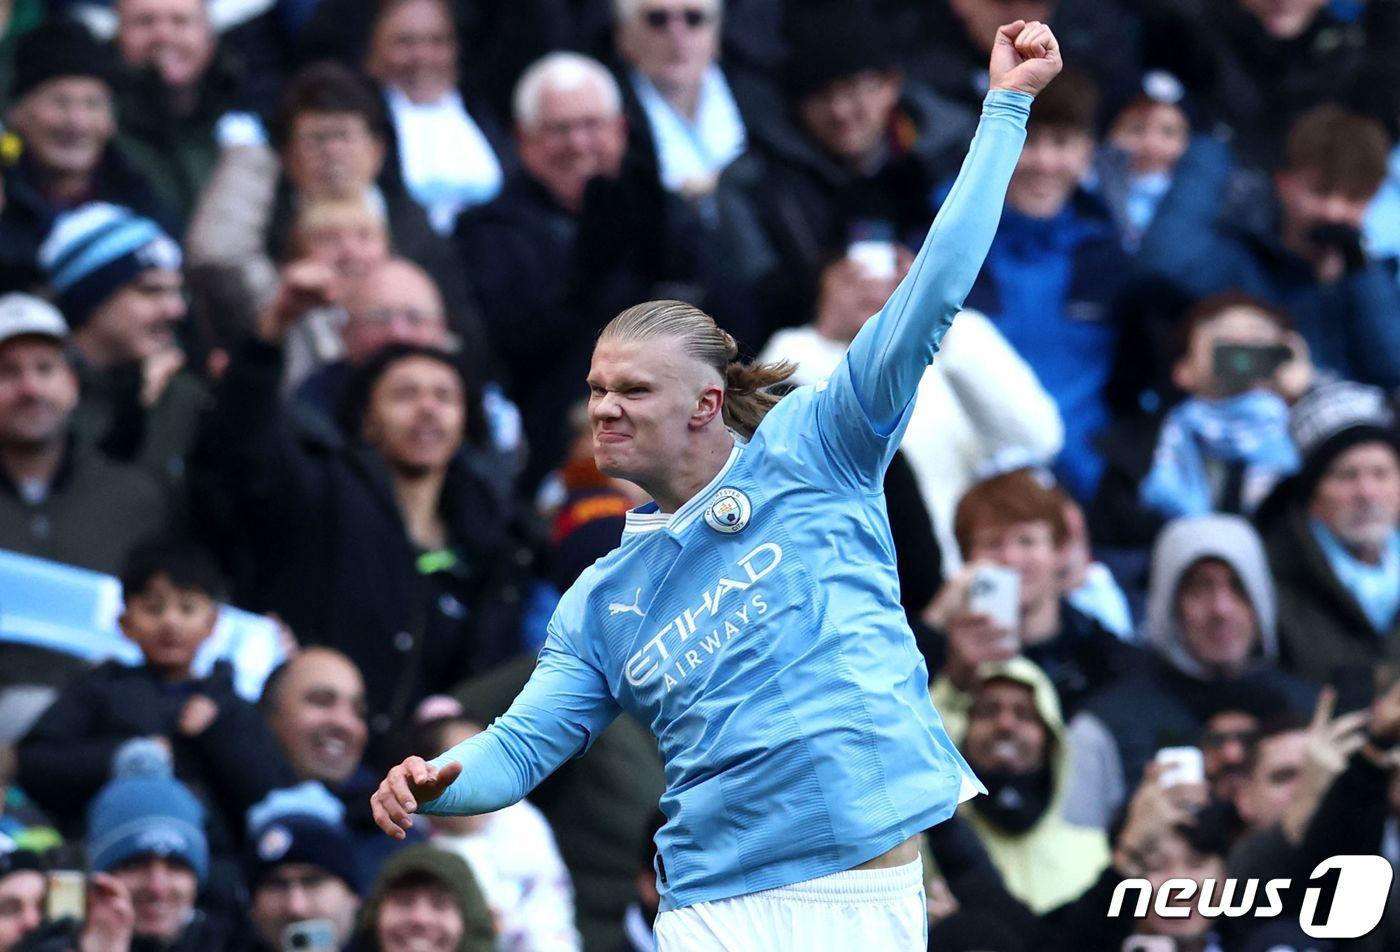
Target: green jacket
176, 153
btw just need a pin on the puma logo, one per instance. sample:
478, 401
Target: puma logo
617, 608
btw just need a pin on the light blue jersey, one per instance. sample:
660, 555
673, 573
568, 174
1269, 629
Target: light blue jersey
757, 630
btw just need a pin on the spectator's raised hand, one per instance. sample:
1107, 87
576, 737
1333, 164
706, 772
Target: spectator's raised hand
1152, 813
1025, 57
1330, 744
407, 787
306, 285
111, 918
973, 638
196, 716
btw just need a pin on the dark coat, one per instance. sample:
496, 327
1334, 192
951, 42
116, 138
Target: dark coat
95, 511
1322, 630
326, 548
66, 757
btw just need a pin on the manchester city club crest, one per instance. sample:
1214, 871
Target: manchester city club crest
729, 511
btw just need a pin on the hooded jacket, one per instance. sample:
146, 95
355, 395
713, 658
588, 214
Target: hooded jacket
449, 870
1054, 861
1167, 702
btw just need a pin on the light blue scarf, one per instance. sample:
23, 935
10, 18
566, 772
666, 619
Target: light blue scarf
1375, 587
687, 150
1251, 428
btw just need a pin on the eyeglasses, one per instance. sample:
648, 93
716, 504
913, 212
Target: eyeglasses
693, 17
1217, 739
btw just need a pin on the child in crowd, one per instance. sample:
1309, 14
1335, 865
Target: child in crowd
1225, 446
220, 746
1145, 141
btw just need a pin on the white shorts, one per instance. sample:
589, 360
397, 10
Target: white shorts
860, 909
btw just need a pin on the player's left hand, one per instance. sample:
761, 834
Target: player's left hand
1025, 57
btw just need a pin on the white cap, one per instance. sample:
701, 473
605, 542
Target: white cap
24, 314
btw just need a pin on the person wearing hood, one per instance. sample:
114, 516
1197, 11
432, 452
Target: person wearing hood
856, 160
1211, 625
1334, 542
426, 900
1015, 741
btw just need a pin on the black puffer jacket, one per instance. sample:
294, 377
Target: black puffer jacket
327, 549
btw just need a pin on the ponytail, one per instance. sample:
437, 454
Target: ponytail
748, 394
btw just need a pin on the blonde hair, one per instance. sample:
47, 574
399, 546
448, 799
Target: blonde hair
747, 393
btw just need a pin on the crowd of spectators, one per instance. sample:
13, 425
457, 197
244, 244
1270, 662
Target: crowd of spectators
297, 299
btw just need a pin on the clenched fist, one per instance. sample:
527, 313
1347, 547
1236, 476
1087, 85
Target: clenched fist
1025, 57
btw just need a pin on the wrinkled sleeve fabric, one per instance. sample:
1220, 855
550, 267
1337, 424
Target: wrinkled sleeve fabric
561, 710
864, 406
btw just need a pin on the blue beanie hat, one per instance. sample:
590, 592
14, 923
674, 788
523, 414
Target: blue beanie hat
301, 824
143, 810
94, 250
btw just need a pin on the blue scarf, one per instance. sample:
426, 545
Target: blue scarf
1376, 588
1251, 428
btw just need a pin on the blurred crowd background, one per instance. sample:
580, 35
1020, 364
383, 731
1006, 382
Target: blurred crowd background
296, 304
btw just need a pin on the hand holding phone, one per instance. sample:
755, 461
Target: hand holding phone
1181, 765
309, 935
995, 591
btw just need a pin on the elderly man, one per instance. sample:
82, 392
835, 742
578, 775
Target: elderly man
174, 86
61, 110
670, 51
545, 290
1336, 551
59, 499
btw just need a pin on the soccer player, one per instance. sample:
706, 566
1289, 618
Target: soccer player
751, 615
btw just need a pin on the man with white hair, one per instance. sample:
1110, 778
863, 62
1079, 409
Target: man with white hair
670, 49
1335, 552
521, 249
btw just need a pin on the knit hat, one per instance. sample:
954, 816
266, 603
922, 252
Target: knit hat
835, 43
97, 248
24, 315
301, 824
1330, 420
145, 811
55, 50
419, 863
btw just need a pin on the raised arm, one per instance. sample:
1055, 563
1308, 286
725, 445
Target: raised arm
564, 706
889, 355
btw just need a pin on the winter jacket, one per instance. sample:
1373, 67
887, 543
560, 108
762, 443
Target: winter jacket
787, 207
1166, 702
94, 512
66, 756
1322, 630
325, 547
1349, 326
1053, 861
1052, 287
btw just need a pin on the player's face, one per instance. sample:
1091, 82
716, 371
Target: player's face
644, 401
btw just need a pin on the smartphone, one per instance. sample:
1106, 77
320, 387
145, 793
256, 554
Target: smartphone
995, 591
871, 245
1181, 765
1237, 367
309, 935
66, 895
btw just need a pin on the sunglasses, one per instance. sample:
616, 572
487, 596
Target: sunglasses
693, 17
